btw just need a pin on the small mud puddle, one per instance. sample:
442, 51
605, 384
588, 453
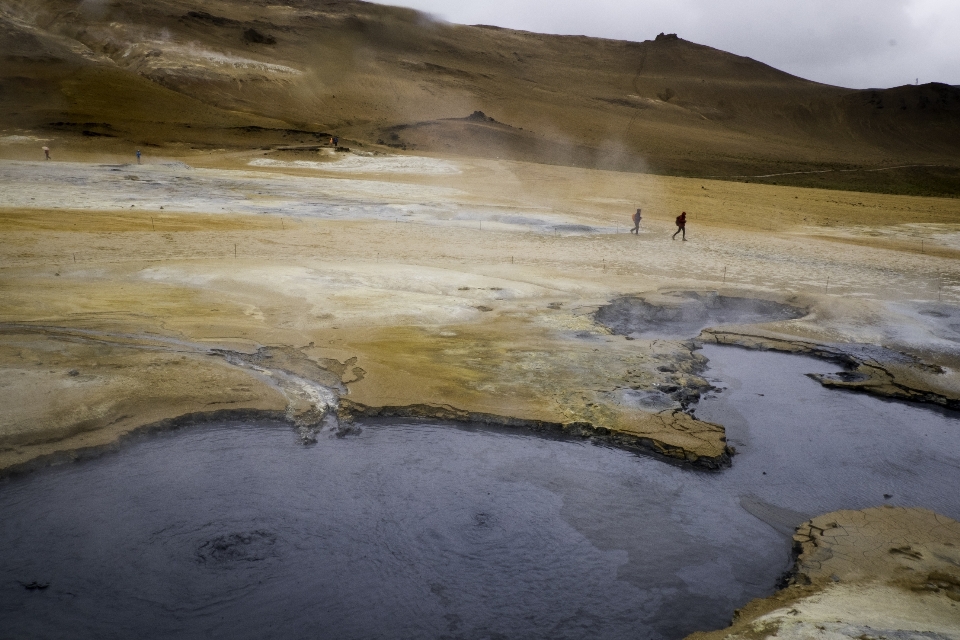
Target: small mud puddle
685, 314
426, 530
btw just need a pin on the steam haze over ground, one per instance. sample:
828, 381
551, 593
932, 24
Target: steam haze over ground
856, 43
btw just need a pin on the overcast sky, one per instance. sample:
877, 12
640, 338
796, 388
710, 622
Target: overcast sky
850, 43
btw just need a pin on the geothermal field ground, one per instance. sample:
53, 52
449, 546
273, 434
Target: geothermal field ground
346, 287
424, 380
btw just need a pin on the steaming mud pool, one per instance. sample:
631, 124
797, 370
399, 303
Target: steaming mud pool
428, 530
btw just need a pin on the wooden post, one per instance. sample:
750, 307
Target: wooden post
826, 289
724, 275
153, 225
234, 251
74, 257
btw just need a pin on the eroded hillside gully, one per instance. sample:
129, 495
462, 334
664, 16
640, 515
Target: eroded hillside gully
401, 527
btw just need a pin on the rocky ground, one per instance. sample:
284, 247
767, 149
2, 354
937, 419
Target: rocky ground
878, 573
321, 287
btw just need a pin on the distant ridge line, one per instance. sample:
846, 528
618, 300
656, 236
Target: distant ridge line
793, 173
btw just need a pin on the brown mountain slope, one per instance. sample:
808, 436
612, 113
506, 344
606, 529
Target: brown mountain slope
253, 73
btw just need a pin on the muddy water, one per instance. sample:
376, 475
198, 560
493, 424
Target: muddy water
436, 530
810, 449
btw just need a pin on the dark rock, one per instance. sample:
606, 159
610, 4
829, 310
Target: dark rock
212, 19
480, 116
35, 586
253, 36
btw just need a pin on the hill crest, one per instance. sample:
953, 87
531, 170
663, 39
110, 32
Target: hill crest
191, 72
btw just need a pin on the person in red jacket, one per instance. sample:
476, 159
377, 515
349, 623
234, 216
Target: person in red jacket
636, 223
681, 227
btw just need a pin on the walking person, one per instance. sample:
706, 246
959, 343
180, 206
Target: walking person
138, 156
636, 223
681, 227
46, 153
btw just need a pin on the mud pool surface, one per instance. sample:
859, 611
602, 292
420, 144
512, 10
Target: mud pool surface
434, 530
684, 314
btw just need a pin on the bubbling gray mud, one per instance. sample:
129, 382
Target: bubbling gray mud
684, 314
403, 531
427, 530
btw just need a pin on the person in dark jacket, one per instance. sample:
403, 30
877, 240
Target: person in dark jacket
681, 227
636, 223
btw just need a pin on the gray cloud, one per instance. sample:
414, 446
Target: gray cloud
851, 43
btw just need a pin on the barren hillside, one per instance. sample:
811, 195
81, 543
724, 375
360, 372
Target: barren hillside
242, 73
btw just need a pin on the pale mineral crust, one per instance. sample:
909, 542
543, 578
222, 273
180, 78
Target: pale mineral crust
886, 572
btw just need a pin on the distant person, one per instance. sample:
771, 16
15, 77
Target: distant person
681, 227
46, 153
331, 141
336, 141
138, 156
636, 223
